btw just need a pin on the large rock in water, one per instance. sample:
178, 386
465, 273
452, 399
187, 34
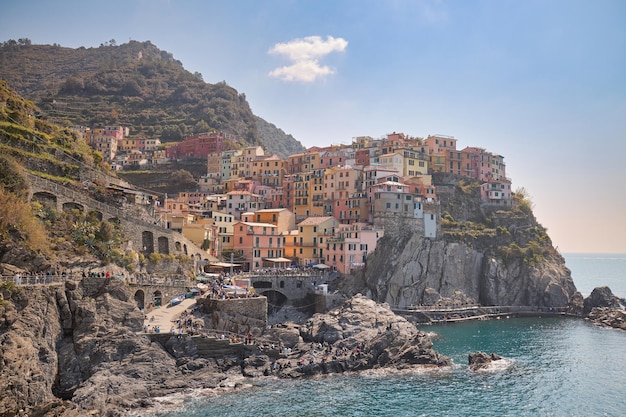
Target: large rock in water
481, 360
600, 297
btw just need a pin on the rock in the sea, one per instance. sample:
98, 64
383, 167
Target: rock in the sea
481, 360
600, 297
608, 317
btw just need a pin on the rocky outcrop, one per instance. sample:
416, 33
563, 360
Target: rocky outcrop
608, 317
605, 309
481, 360
359, 335
408, 269
600, 297
76, 349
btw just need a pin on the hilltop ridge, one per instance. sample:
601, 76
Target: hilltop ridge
135, 85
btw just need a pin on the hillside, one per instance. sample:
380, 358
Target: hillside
135, 85
36, 235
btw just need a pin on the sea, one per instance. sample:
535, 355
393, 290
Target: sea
551, 367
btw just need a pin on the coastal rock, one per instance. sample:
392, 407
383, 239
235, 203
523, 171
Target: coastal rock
608, 317
363, 334
600, 297
68, 350
481, 360
78, 347
408, 269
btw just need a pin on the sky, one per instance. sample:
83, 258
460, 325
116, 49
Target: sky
541, 82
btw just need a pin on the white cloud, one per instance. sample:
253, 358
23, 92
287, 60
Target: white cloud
305, 54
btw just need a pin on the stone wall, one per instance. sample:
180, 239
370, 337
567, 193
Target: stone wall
238, 315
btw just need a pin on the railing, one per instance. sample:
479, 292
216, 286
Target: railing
35, 279
49, 279
455, 308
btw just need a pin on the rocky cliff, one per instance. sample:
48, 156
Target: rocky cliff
74, 350
77, 349
480, 256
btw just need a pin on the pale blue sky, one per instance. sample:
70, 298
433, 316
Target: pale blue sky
541, 82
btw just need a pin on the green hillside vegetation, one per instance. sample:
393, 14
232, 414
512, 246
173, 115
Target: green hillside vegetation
135, 85
42, 147
32, 230
508, 233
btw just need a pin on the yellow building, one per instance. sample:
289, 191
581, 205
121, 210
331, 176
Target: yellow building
204, 234
269, 171
414, 163
282, 218
301, 196
316, 191
309, 242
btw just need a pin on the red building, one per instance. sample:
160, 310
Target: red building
200, 146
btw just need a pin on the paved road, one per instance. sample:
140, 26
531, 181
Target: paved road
164, 315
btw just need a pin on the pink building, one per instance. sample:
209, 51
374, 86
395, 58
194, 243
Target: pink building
496, 193
485, 166
334, 156
347, 250
257, 243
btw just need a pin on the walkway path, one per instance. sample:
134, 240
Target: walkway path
164, 315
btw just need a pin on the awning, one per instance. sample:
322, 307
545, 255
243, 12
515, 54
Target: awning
278, 260
321, 266
224, 265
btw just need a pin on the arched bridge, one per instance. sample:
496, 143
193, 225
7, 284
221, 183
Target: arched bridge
280, 287
149, 294
144, 236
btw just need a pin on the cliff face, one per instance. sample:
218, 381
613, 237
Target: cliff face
75, 350
411, 270
480, 256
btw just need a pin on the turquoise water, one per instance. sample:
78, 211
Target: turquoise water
553, 367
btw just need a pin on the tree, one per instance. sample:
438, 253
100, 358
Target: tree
183, 177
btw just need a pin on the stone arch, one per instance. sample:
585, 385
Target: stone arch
164, 245
185, 249
95, 214
197, 257
71, 205
114, 220
178, 246
46, 199
275, 300
140, 299
157, 298
147, 241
